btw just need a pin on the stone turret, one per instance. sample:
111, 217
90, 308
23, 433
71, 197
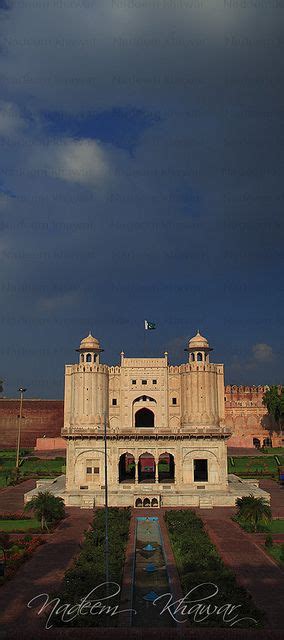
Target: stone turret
86, 390
202, 387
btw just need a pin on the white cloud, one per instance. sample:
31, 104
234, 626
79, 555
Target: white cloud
58, 302
262, 352
82, 161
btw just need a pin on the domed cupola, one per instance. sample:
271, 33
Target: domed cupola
198, 348
89, 350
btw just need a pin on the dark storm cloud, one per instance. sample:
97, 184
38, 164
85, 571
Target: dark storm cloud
186, 224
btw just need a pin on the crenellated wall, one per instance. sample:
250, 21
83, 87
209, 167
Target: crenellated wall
247, 417
245, 414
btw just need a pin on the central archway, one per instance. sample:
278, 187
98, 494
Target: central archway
146, 468
144, 418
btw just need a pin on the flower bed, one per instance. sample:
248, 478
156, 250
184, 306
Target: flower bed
198, 562
17, 552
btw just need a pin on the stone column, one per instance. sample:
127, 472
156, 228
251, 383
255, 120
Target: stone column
136, 472
156, 471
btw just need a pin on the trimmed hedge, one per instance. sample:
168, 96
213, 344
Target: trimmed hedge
198, 562
88, 570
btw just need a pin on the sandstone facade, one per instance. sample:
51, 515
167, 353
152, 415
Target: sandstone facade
163, 426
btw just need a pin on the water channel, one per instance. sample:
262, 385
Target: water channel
150, 578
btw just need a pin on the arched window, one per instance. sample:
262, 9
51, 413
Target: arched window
166, 468
144, 418
199, 357
144, 399
146, 502
154, 502
88, 357
138, 503
267, 442
192, 357
82, 357
126, 468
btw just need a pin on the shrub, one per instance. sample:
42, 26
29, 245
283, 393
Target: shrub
254, 511
88, 570
198, 562
47, 507
269, 541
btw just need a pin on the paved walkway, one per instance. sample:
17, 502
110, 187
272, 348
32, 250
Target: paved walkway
245, 451
42, 573
253, 569
277, 496
12, 498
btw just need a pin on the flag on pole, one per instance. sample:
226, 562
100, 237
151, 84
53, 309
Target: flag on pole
149, 325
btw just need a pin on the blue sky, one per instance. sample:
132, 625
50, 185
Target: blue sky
140, 177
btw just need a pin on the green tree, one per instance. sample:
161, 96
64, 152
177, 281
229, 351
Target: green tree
273, 400
47, 508
253, 510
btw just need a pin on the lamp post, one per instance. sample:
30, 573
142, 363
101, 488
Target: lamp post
22, 391
106, 507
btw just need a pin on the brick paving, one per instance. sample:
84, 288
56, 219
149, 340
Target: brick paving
253, 568
277, 496
244, 451
42, 573
46, 569
12, 498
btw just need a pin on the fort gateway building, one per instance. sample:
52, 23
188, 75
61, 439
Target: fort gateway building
166, 437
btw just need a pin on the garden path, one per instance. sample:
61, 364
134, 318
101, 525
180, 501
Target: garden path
276, 496
253, 568
12, 498
42, 573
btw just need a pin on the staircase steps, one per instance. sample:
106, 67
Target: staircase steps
205, 502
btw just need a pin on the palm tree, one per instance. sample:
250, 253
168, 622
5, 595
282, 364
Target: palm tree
47, 508
253, 510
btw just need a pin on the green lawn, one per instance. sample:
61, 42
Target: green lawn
275, 552
276, 526
28, 467
248, 465
19, 525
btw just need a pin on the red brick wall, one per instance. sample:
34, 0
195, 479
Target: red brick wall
247, 417
41, 417
244, 414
